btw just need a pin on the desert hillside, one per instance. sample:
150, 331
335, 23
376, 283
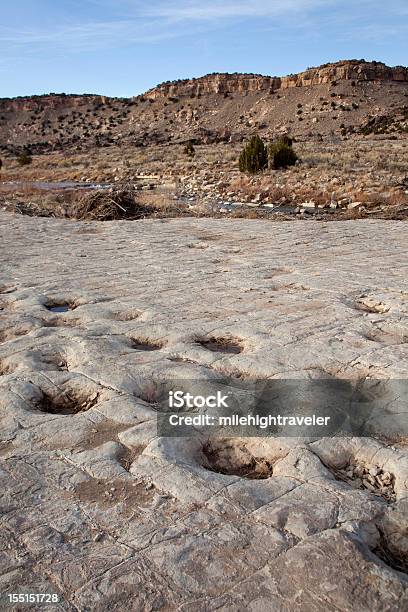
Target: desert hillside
342, 99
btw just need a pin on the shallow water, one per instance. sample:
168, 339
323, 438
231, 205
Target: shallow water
63, 308
51, 185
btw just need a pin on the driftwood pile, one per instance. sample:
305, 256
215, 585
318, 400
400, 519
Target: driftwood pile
110, 204
34, 209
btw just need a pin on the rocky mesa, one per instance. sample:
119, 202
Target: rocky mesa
222, 83
332, 100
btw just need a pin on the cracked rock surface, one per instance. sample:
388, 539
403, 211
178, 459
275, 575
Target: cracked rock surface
95, 506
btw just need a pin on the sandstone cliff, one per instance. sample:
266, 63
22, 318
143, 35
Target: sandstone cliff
50, 102
357, 70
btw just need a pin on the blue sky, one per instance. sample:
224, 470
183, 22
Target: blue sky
124, 47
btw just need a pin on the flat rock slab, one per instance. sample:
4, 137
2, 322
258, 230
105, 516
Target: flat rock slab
95, 318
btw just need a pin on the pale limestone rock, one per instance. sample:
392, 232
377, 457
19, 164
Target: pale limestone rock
101, 509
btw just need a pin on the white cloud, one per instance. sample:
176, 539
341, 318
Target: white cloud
146, 22
222, 9
86, 36
116, 23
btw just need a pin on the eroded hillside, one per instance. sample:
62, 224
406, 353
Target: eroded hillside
332, 100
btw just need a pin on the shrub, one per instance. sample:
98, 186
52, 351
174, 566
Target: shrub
285, 139
189, 149
254, 157
281, 154
24, 159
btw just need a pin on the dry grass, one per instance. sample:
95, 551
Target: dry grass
359, 170
105, 163
120, 202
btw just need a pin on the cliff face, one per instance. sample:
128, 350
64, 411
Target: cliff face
346, 71
242, 83
49, 102
215, 84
